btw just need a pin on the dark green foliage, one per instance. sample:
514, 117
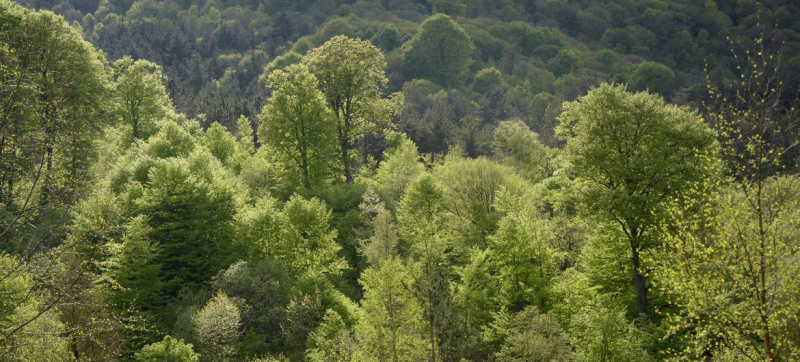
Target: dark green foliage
441, 51
189, 220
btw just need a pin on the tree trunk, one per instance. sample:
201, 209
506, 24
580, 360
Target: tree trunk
639, 282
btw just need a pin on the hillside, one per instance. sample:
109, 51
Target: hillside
440, 180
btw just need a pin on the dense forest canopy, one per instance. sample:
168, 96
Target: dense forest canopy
410, 180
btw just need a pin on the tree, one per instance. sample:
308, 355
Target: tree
391, 327
217, 327
297, 124
653, 77
633, 152
533, 336
351, 76
382, 244
191, 220
400, 167
735, 249
220, 143
440, 51
308, 244
141, 98
521, 255
516, 145
487, 79
52, 97
169, 349
332, 341
422, 216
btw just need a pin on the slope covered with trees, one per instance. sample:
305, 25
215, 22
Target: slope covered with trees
399, 181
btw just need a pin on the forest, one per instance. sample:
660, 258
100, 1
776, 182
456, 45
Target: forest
399, 180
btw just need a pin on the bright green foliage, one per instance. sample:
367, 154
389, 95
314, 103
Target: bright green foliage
53, 86
475, 293
522, 255
653, 77
141, 99
596, 321
297, 124
258, 229
39, 340
519, 147
244, 134
634, 152
172, 140
390, 327
220, 143
735, 274
308, 245
168, 350
421, 210
532, 336
332, 341
217, 327
351, 76
382, 244
400, 167
471, 188
440, 51
280, 63
422, 216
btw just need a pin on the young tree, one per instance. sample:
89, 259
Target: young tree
633, 152
332, 341
400, 167
391, 327
308, 244
351, 76
297, 123
440, 51
533, 336
734, 253
169, 349
217, 326
422, 216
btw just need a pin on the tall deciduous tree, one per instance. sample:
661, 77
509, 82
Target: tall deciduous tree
440, 51
422, 216
52, 88
351, 76
297, 123
634, 152
142, 100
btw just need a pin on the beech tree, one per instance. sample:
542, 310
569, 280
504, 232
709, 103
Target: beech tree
351, 76
297, 124
142, 100
633, 152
